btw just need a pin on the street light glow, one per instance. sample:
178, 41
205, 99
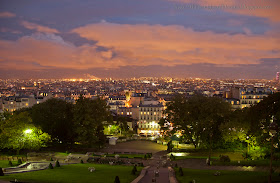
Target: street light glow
27, 131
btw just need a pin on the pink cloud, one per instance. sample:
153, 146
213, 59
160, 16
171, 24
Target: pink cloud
140, 45
7, 14
38, 28
173, 45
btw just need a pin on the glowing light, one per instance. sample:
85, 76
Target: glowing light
28, 131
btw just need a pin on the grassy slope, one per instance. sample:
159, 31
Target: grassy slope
226, 176
5, 163
77, 173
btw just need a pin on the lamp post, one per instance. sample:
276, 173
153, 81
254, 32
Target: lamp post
273, 129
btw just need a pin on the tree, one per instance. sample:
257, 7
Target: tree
5, 115
198, 118
237, 130
260, 116
55, 116
122, 124
117, 179
1, 172
177, 112
89, 116
169, 146
18, 133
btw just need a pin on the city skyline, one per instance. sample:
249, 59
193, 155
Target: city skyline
170, 38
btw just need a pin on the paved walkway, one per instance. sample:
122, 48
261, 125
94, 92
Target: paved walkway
157, 164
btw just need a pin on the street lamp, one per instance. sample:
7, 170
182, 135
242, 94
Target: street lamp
28, 131
273, 129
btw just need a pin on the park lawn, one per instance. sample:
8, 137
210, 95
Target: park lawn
5, 163
226, 176
61, 154
77, 173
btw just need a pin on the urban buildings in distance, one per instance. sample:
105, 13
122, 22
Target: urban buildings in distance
142, 100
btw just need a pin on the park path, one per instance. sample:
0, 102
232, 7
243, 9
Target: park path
158, 163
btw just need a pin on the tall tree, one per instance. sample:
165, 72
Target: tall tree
176, 113
260, 116
55, 116
199, 118
19, 132
88, 117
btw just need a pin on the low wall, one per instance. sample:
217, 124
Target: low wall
142, 174
172, 176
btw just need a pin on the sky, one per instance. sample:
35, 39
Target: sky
225, 39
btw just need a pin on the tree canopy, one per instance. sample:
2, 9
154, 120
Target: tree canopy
89, 116
18, 132
55, 117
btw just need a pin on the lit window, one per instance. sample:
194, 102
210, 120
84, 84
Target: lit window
26, 104
141, 113
127, 113
122, 113
12, 102
155, 113
130, 113
144, 112
232, 102
148, 113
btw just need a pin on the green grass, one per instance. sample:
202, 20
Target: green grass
61, 154
5, 163
265, 162
205, 176
77, 173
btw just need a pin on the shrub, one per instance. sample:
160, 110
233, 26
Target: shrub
117, 179
50, 166
181, 173
134, 170
176, 166
57, 164
1, 172
82, 161
51, 159
67, 152
224, 158
145, 157
10, 163
19, 162
172, 157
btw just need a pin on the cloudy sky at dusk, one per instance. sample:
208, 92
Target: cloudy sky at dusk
134, 38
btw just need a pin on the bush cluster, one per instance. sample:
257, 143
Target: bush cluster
10, 163
224, 158
181, 173
1, 172
134, 170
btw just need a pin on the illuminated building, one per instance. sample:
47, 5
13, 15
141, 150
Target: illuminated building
149, 116
245, 97
13, 103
